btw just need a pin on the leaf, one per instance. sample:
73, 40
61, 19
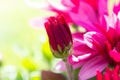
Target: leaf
48, 75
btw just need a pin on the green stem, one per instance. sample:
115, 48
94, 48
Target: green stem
69, 70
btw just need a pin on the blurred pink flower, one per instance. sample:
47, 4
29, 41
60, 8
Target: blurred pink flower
102, 48
84, 13
109, 74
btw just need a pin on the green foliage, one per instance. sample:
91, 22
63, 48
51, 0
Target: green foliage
15, 30
19, 76
29, 64
47, 52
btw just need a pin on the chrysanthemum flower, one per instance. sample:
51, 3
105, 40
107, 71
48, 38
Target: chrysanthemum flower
98, 49
60, 37
84, 13
109, 74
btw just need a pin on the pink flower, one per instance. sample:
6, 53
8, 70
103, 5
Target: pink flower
85, 13
89, 13
109, 74
102, 48
60, 37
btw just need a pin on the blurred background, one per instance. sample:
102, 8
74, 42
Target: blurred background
22, 51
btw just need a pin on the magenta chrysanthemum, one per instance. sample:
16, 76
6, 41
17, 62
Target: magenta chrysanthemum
103, 47
59, 34
85, 13
109, 74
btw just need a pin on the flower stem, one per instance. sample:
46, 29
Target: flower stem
69, 70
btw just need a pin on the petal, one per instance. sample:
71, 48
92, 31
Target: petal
102, 9
78, 59
99, 75
77, 35
85, 16
37, 23
68, 3
118, 15
60, 66
52, 38
118, 24
78, 65
89, 69
93, 5
79, 47
111, 21
116, 8
58, 5
115, 55
116, 73
113, 27
95, 40
82, 49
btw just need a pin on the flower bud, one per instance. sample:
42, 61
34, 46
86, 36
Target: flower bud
60, 37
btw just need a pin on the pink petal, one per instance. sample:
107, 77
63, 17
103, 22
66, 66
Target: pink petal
80, 48
111, 21
103, 9
116, 8
37, 23
118, 24
77, 35
60, 66
115, 55
85, 16
118, 15
78, 59
58, 5
92, 3
99, 75
95, 40
78, 65
89, 69
68, 3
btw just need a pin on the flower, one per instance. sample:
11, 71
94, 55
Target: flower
85, 13
60, 37
102, 47
109, 74
88, 13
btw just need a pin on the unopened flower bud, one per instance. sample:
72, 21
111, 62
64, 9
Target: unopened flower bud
60, 37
